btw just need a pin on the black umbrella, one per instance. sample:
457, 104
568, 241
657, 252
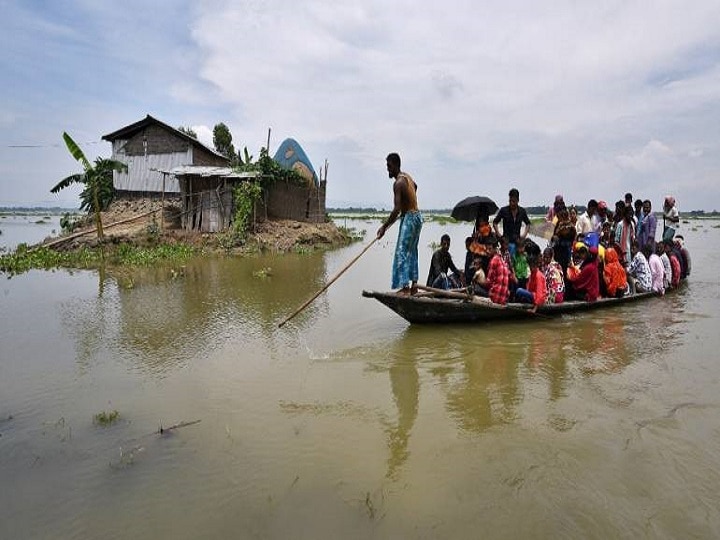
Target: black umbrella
471, 207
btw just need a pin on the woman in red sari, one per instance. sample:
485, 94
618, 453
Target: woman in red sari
583, 279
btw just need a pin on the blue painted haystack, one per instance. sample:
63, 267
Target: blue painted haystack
291, 156
290, 201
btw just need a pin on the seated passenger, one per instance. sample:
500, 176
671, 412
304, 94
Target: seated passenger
481, 235
520, 266
614, 276
536, 292
684, 255
498, 276
478, 281
469, 257
657, 271
638, 272
676, 270
505, 254
583, 279
440, 265
667, 269
554, 280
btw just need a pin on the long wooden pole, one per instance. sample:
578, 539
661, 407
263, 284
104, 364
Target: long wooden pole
327, 285
88, 231
480, 300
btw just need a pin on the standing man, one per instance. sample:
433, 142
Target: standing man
405, 262
516, 223
649, 226
588, 221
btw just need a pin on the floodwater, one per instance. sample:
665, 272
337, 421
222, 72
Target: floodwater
26, 228
348, 422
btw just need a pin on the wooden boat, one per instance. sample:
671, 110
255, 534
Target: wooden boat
457, 307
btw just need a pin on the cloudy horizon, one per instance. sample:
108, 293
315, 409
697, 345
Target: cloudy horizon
586, 99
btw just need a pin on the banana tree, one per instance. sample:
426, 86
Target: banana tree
97, 179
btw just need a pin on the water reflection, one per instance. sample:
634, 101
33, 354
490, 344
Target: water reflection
485, 374
405, 385
485, 389
163, 317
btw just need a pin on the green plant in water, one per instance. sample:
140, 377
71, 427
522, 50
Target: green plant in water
228, 239
23, 259
105, 418
263, 273
301, 249
351, 233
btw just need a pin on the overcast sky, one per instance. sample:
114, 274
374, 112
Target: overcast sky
584, 98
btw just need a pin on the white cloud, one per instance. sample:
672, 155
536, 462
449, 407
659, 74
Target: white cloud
554, 97
650, 158
204, 135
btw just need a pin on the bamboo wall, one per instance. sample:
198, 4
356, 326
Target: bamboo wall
297, 203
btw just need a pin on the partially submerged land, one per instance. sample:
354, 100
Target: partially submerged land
142, 232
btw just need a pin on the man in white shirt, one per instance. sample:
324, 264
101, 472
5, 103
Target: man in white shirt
586, 222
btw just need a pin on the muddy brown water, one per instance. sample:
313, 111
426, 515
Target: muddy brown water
348, 422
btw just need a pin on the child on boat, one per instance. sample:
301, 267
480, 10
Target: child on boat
536, 292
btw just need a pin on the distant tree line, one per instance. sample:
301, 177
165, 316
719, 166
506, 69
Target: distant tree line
532, 210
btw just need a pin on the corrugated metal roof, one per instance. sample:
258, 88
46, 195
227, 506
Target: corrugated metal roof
129, 130
199, 170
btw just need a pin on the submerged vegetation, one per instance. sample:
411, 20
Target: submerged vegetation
262, 273
23, 258
105, 418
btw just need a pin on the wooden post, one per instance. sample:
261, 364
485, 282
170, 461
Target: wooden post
162, 205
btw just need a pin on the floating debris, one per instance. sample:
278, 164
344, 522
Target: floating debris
163, 430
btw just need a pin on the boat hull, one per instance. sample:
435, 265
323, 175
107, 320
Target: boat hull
433, 310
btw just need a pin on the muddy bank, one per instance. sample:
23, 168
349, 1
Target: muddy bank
145, 222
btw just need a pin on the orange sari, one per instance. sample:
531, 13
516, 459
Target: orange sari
613, 273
